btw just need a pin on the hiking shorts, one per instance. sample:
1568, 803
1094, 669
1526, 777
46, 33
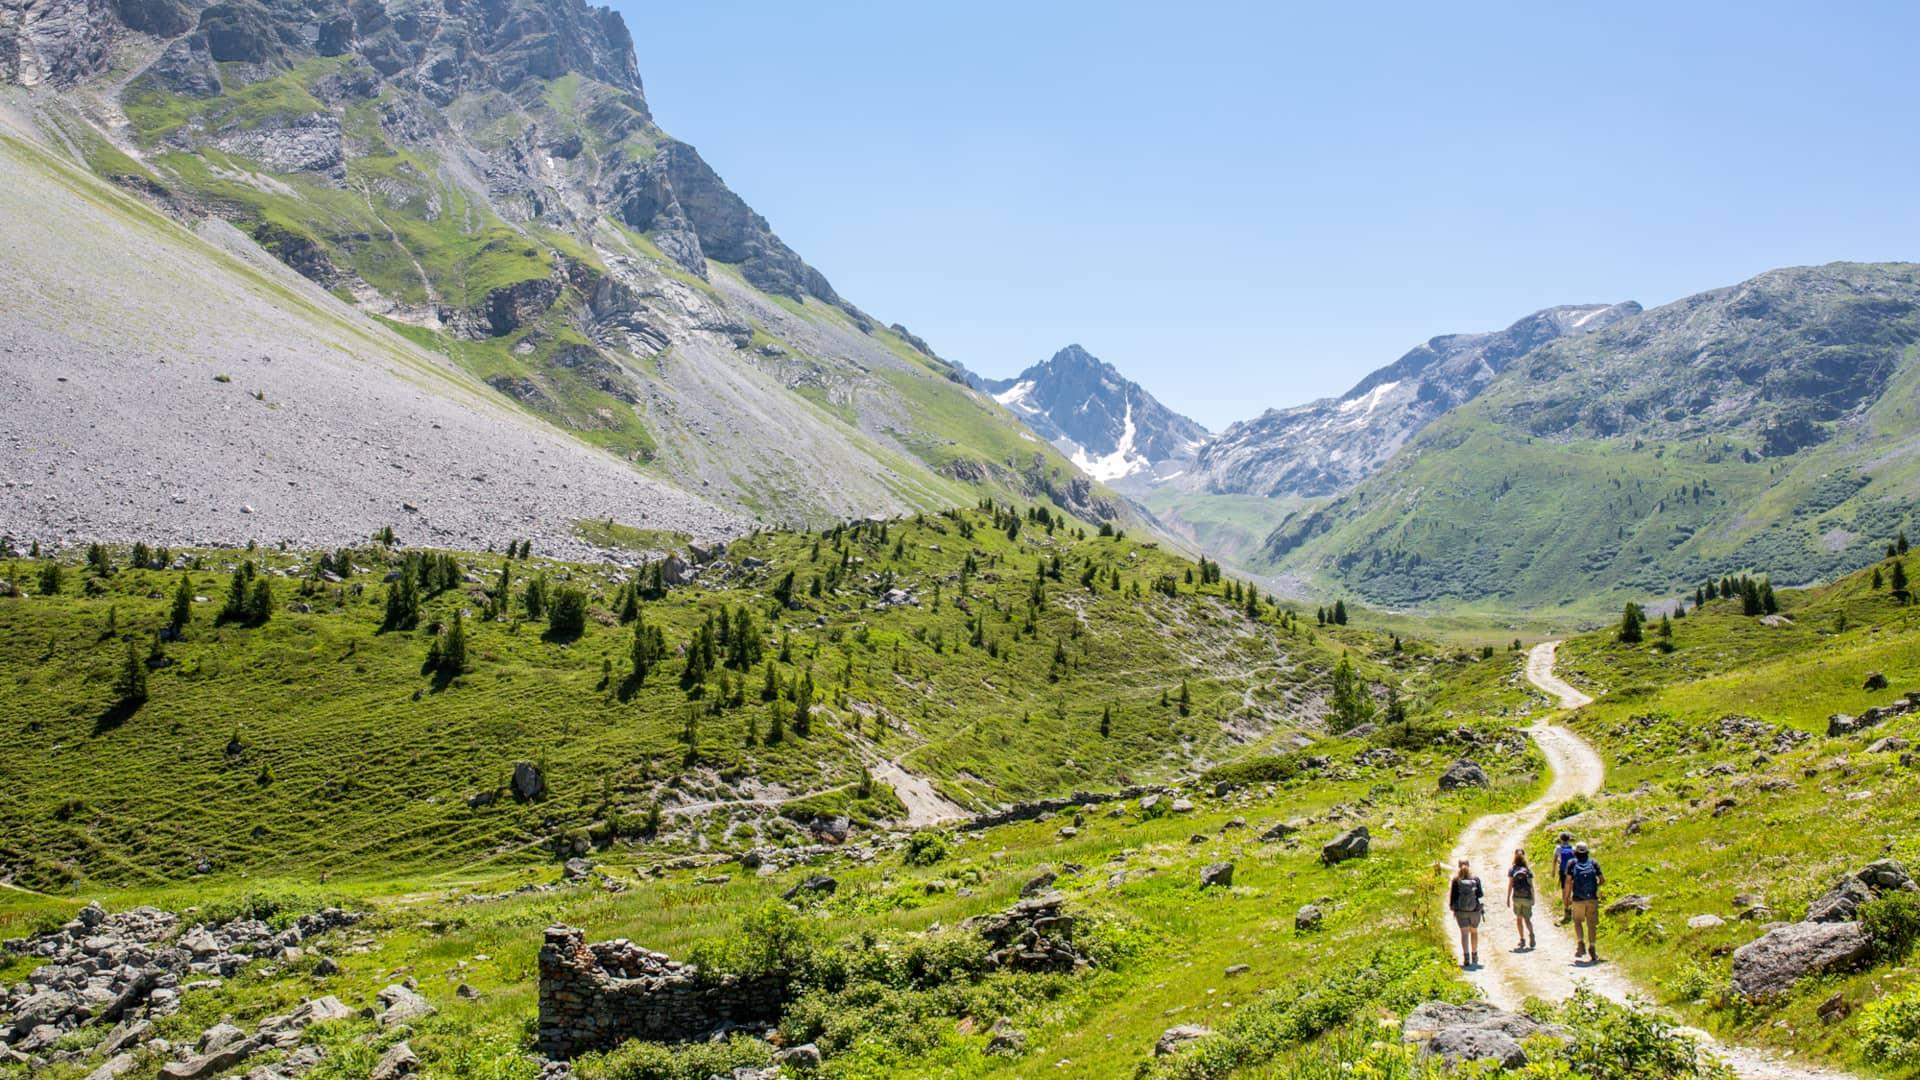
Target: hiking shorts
1587, 913
1468, 920
1523, 907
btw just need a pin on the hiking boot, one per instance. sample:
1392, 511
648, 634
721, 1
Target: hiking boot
1592, 957
1580, 951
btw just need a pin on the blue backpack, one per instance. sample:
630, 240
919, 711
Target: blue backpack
1586, 879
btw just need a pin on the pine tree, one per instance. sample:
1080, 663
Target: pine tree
1630, 624
130, 685
260, 603
1106, 721
50, 576
98, 562
403, 601
1768, 603
182, 612
1750, 603
803, 704
1349, 700
1340, 612
1900, 543
567, 614
629, 603
453, 656
1877, 582
1396, 709
1186, 698
776, 721
1897, 579
535, 599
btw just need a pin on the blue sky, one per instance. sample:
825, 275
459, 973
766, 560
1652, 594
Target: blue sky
1243, 207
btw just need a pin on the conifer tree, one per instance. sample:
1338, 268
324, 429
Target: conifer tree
776, 721
1768, 603
1349, 700
1630, 624
453, 655
1186, 698
1106, 721
403, 601
803, 703
567, 613
182, 612
1900, 543
1750, 603
130, 684
259, 603
235, 608
1340, 612
1897, 579
1877, 581
50, 579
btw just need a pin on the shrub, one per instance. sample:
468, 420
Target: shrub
1615, 1042
925, 848
1573, 807
567, 614
641, 1060
1890, 1030
1273, 769
1893, 921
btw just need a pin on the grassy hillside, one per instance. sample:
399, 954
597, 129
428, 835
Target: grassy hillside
1708, 799
319, 739
1764, 427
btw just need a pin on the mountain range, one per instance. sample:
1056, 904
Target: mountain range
434, 221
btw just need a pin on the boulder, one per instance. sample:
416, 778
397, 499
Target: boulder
1473, 1031
1172, 1039
1307, 919
1181, 806
802, 1058
1217, 874
1705, 922
1279, 831
576, 869
1039, 883
815, 885
114, 1066
1005, 1040
1464, 774
1875, 681
214, 1061
1843, 901
401, 1004
1634, 904
1352, 844
1892, 744
529, 783
1770, 965
398, 1061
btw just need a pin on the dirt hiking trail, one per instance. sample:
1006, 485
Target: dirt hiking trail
1550, 973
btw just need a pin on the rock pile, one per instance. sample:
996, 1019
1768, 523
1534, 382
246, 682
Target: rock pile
1464, 774
1842, 903
125, 967
1352, 844
596, 996
1842, 724
1032, 935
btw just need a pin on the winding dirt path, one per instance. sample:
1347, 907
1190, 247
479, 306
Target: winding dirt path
1550, 973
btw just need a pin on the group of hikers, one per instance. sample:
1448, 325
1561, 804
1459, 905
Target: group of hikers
1576, 872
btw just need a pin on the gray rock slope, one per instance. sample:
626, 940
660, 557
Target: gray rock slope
130, 360
1327, 446
1111, 427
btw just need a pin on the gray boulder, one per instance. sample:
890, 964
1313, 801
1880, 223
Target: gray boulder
1842, 903
529, 783
400, 1004
1464, 774
1473, 1031
398, 1061
1770, 965
1172, 1039
802, 1058
1218, 874
1308, 918
1352, 844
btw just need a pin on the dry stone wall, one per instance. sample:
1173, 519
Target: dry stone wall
596, 996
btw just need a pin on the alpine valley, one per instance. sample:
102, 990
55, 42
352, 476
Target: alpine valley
475, 603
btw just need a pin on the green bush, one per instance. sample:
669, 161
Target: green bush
925, 848
1893, 921
641, 1060
1273, 769
1573, 807
1890, 1030
1615, 1042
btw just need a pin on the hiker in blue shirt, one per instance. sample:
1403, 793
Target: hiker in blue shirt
1583, 892
1563, 855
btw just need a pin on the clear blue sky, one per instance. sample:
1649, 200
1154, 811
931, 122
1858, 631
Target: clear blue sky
1243, 207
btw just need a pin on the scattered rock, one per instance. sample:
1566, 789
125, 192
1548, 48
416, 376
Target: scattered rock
1218, 874
398, 1061
1842, 903
1237, 969
1633, 904
1005, 1040
1705, 922
802, 1058
1039, 883
1172, 1039
1307, 919
1835, 1009
1352, 844
1875, 681
1279, 831
1032, 935
1464, 774
1473, 1031
1891, 744
400, 1004
814, 885
1770, 965
529, 783
576, 869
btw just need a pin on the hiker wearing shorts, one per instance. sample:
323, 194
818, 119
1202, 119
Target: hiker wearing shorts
1520, 900
1562, 855
1468, 901
1583, 893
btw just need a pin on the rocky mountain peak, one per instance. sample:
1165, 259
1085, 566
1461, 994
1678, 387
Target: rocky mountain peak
1108, 424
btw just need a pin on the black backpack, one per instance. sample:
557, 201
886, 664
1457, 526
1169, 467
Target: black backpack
1522, 882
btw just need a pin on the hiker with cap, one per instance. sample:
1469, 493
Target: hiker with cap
1562, 855
1583, 893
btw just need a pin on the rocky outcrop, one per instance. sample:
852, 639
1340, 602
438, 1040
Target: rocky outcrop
597, 996
1770, 965
1842, 724
1463, 774
1473, 1031
1034, 935
1843, 902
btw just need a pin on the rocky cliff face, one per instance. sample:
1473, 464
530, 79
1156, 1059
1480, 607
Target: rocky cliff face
1327, 446
1111, 427
486, 176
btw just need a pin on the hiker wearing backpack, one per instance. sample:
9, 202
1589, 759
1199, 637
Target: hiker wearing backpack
1520, 900
1583, 891
1467, 899
1562, 855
